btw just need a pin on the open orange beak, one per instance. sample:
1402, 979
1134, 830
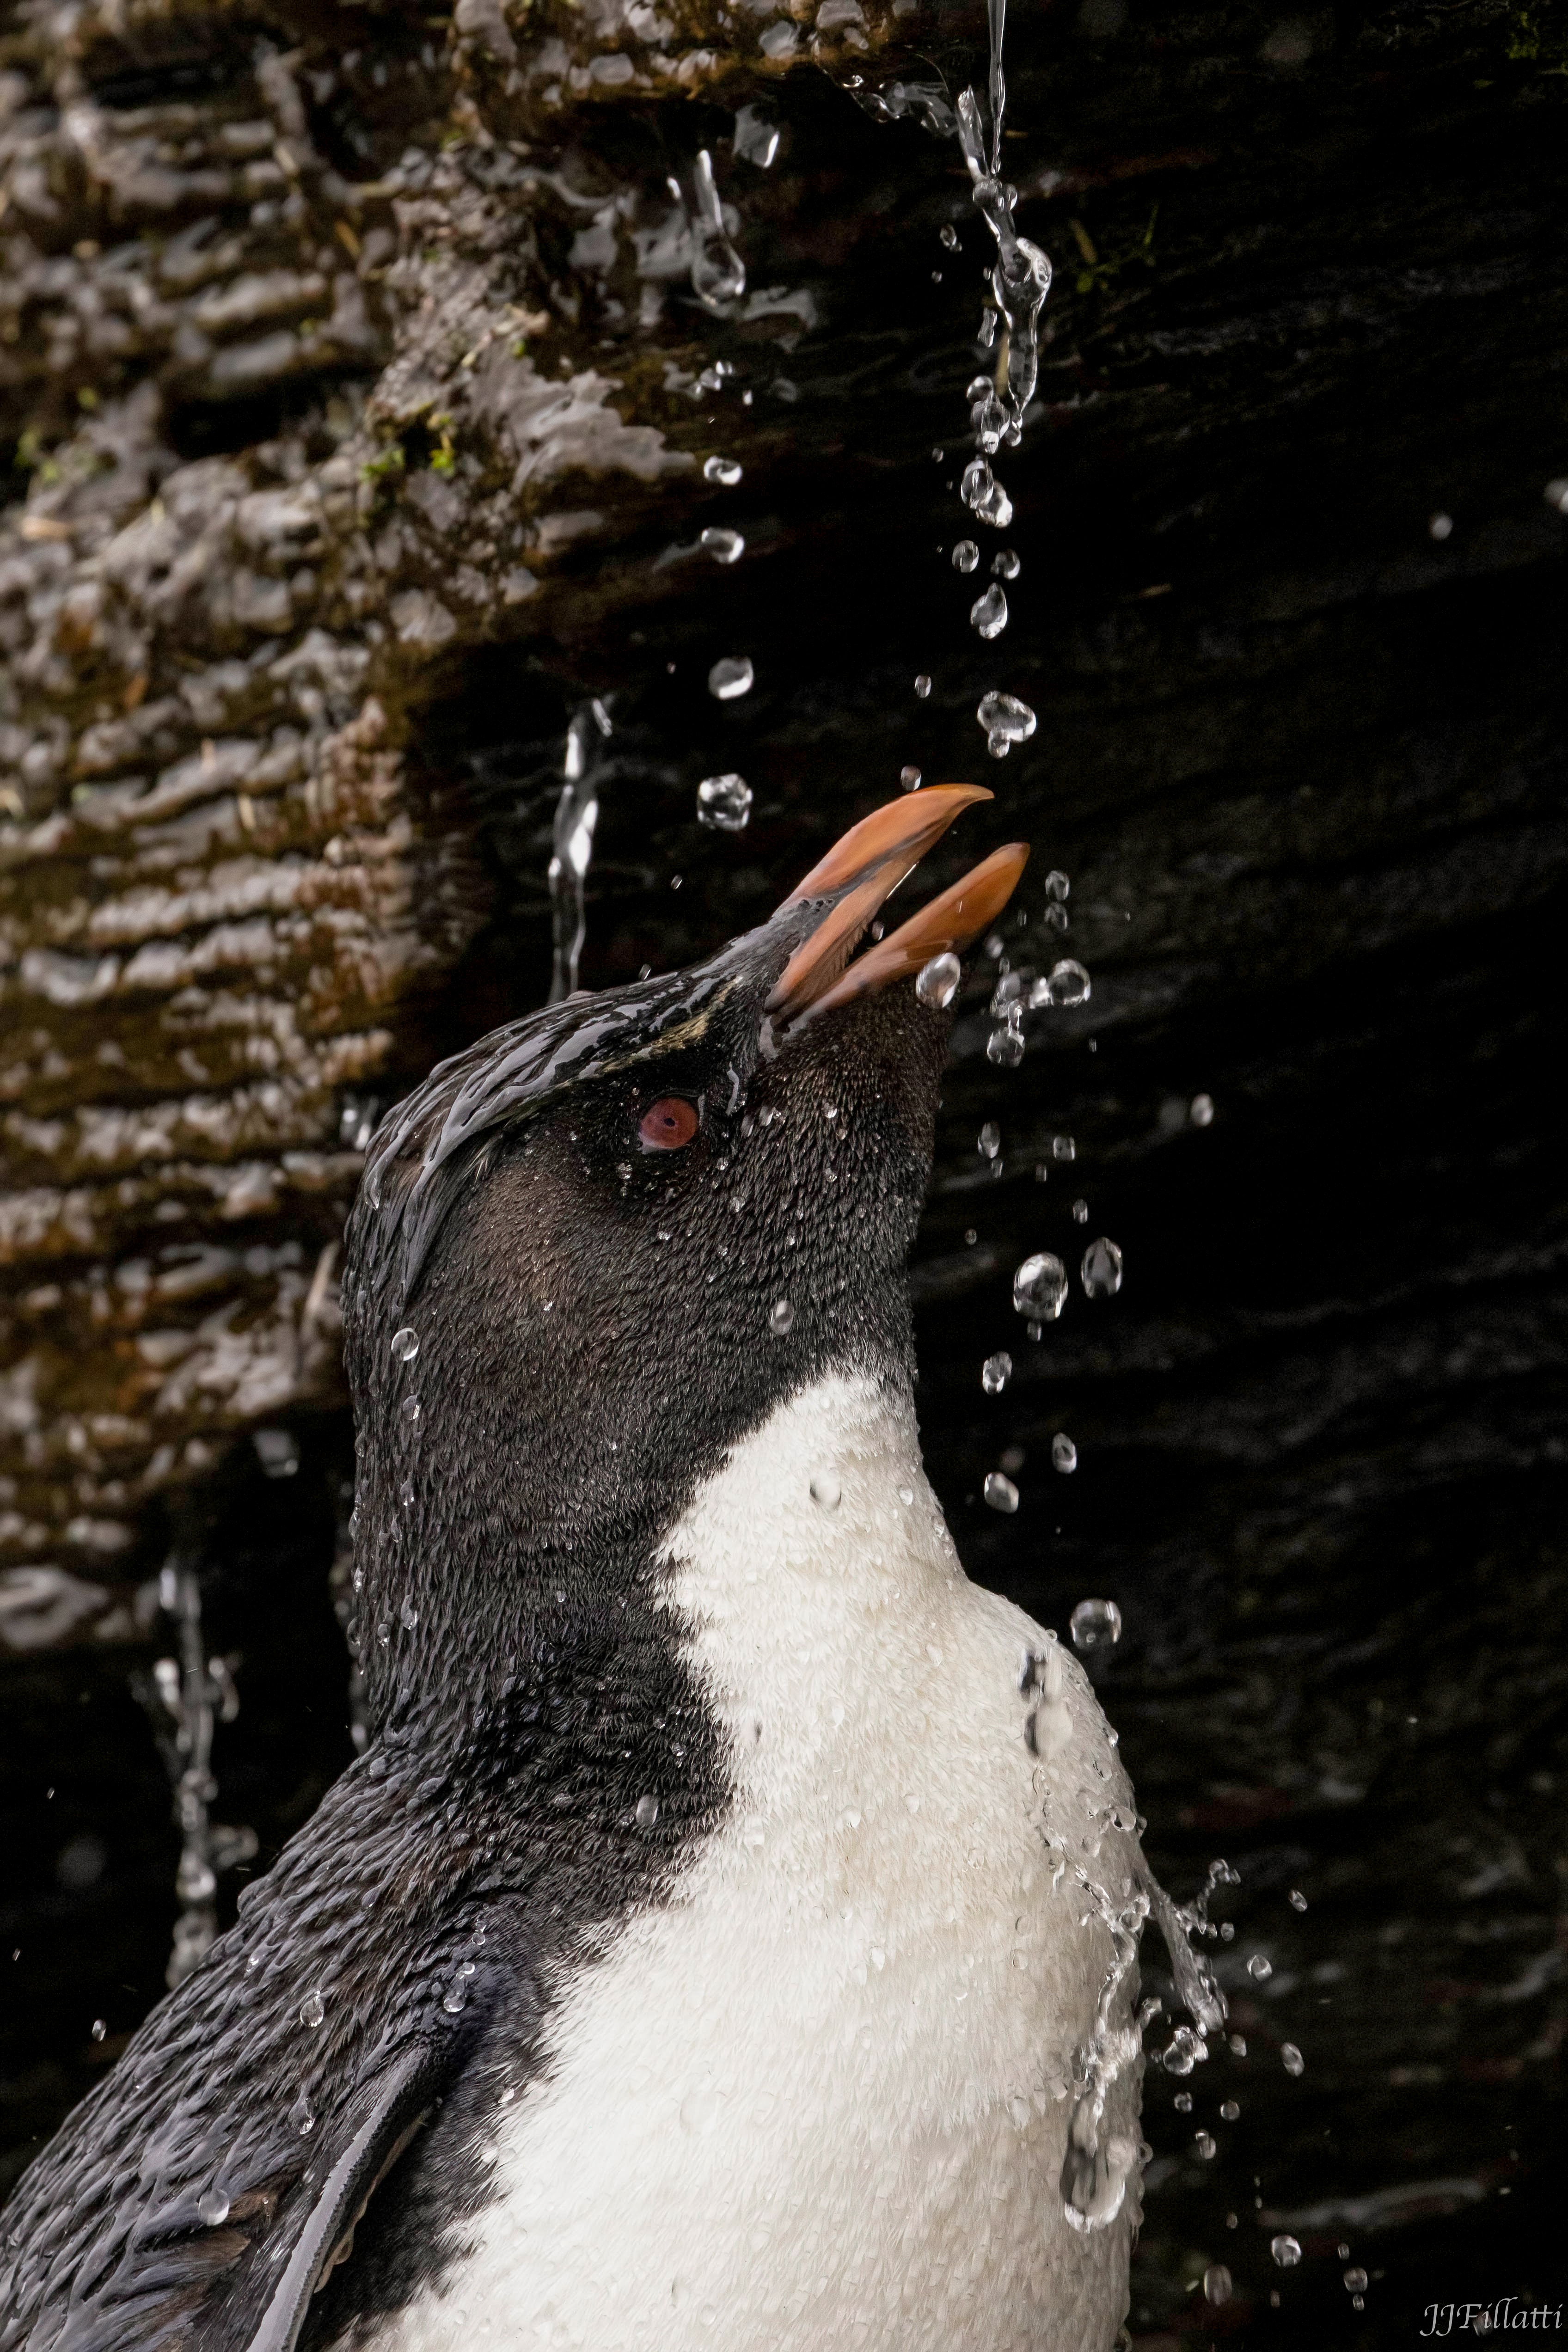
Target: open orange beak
859, 874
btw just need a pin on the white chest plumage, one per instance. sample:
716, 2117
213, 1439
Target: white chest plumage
820, 2099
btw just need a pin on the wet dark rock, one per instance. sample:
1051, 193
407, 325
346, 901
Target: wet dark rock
356, 395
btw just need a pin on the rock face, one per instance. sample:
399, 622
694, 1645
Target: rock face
362, 371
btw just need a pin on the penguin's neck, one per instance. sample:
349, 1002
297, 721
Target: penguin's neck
820, 1516
808, 1555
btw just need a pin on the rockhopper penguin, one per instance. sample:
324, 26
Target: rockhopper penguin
699, 1955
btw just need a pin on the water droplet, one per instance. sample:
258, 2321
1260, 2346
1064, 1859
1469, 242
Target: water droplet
1182, 2103
781, 1317
1095, 1624
410, 1411
1004, 565
724, 802
1069, 983
409, 1616
1080, 1213
212, 2207
922, 688
965, 555
455, 1999
1202, 1111
1205, 2144
405, 1344
984, 494
1005, 1047
988, 1142
302, 2115
1229, 2110
1356, 2280
1040, 1287
1287, 2251
730, 678
1184, 2051
995, 1372
939, 979
1291, 2059
756, 138
1216, 2284
406, 1494
1440, 525
1000, 1492
909, 778
99, 2028
1063, 1147
1064, 1453
948, 236
1057, 886
722, 470
1100, 1272
1006, 720
826, 1489
988, 613
647, 1813
1298, 1900
723, 546
1556, 494
698, 2110
313, 2009
1260, 1969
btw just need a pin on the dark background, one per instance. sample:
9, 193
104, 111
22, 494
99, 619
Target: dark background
1302, 760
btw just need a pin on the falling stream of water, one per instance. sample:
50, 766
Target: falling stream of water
1096, 2167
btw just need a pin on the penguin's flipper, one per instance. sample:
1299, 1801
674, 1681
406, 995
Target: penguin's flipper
198, 2198
403, 2100
175, 2277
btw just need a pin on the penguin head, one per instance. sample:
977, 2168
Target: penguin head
600, 1244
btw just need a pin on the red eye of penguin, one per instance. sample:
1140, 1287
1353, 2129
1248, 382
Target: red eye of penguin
668, 1123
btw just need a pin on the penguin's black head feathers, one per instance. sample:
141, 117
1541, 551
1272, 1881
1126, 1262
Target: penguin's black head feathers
598, 1245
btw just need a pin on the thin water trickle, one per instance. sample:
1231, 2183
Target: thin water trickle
718, 272
576, 816
187, 1698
